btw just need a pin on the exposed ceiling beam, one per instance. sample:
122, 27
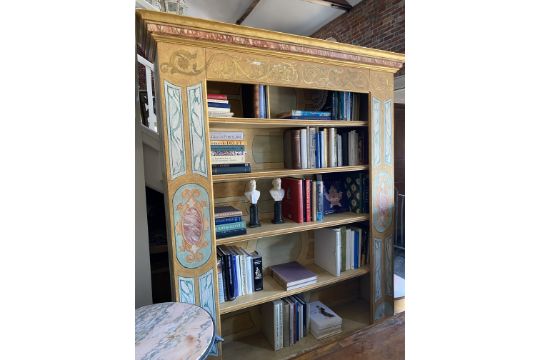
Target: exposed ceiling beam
338, 4
247, 12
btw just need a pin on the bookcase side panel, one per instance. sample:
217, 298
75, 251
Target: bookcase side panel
381, 173
181, 80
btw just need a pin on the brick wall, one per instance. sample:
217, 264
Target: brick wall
378, 24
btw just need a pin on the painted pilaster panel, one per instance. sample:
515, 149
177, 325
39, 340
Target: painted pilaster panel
186, 287
382, 193
189, 196
196, 130
175, 127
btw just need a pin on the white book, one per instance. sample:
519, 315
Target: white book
219, 114
339, 151
220, 283
226, 135
272, 323
228, 159
240, 270
328, 250
303, 148
323, 149
218, 101
218, 110
322, 317
249, 270
332, 147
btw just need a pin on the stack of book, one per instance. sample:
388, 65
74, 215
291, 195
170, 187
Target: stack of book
285, 321
228, 152
324, 147
292, 275
218, 106
311, 198
239, 272
228, 221
305, 115
323, 321
340, 249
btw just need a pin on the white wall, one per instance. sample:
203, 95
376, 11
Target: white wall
143, 278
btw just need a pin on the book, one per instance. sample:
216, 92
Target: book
332, 156
291, 274
241, 148
286, 323
218, 109
313, 200
312, 146
307, 200
230, 273
228, 220
220, 282
219, 114
212, 104
230, 226
339, 145
343, 250
257, 271
303, 149
335, 198
227, 142
322, 317
229, 233
296, 149
218, 153
327, 248
226, 211
302, 113
216, 96
217, 101
227, 159
320, 198
326, 333
292, 203
232, 169
272, 323
226, 135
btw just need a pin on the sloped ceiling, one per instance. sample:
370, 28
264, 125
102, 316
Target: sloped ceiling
299, 17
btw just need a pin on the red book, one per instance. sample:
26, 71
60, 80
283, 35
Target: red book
307, 198
293, 203
216, 96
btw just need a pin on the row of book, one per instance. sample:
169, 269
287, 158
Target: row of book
324, 147
286, 321
228, 152
344, 105
340, 249
239, 272
310, 198
218, 106
228, 221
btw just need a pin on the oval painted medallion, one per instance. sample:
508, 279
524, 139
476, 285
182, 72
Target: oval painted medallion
192, 225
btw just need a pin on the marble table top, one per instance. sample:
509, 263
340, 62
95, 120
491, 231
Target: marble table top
172, 330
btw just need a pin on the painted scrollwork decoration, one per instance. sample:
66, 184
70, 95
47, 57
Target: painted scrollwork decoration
183, 62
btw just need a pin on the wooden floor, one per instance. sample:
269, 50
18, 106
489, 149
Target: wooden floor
383, 341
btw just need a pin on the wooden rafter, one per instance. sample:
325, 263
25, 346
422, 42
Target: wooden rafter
338, 4
247, 12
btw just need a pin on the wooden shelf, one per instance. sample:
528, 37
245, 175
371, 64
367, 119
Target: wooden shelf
272, 290
269, 174
288, 227
355, 315
280, 123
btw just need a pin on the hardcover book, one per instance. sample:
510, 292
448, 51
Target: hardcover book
328, 250
292, 203
292, 273
225, 211
335, 197
322, 317
257, 272
273, 323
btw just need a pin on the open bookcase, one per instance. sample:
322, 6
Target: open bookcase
194, 57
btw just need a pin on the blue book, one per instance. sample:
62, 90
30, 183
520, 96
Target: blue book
320, 198
235, 169
319, 155
356, 245
229, 233
228, 220
307, 117
335, 193
218, 105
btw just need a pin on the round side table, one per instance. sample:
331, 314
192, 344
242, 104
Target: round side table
173, 330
